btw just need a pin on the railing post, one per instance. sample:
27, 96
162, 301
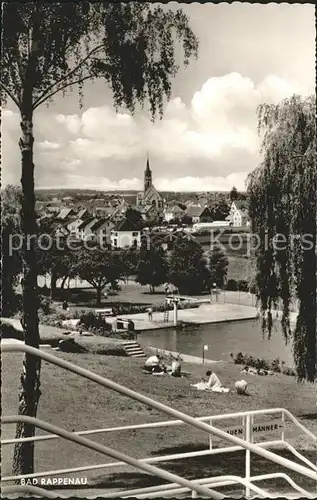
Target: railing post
210, 436
247, 454
251, 429
283, 428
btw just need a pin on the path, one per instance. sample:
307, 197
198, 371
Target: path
186, 358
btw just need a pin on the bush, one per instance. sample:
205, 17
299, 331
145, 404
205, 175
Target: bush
45, 305
243, 285
253, 288
238, 359
261, 364
94, 323
231, 285
275, 365
289, 371
54, 317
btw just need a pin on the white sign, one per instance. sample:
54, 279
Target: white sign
261, 428
205, 348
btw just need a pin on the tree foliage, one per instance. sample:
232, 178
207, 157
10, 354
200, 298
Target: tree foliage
220, 210
134, 216
55, 260
152, 268
234, 195
218, 265
51, 47
11, 254
130, 258
99, 268
188, 269
282, 197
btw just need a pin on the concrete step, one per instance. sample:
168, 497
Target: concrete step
133, 349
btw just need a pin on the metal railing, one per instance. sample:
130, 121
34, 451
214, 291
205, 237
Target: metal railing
215, 482
200, 424
210, 451
105, 450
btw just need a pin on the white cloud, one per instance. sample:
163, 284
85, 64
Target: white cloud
221, 116
72, 122
211, 143
203, 184
273, 89
47, 145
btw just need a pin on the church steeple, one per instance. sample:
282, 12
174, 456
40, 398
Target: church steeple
147, 175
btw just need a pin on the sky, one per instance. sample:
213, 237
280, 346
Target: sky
207, 139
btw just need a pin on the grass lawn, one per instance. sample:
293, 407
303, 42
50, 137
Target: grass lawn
76, 404
133, 293
94, 344
238, 268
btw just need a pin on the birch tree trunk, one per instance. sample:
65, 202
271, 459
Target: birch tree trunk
23, 458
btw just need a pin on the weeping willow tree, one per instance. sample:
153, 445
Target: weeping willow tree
282, 197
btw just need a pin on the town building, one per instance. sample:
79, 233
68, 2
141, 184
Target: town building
85, 231
66, 213
102, 231
174, 211
238, 214
197, 213
125, 234
73, 226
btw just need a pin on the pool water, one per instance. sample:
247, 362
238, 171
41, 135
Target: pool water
222, 339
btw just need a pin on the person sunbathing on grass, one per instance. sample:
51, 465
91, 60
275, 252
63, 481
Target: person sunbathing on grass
256, 371
249, 370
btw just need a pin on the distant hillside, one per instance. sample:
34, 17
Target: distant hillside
84, 194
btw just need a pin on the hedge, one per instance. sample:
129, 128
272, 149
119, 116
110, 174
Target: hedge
276, 365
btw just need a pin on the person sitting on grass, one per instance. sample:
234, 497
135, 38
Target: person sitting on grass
176, 367
213, 384
154, 364
213, 380
241, 387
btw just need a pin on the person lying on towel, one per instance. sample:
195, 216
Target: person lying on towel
213, 384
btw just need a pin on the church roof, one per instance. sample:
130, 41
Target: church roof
151, 189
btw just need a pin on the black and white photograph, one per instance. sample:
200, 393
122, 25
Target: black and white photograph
159, 250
